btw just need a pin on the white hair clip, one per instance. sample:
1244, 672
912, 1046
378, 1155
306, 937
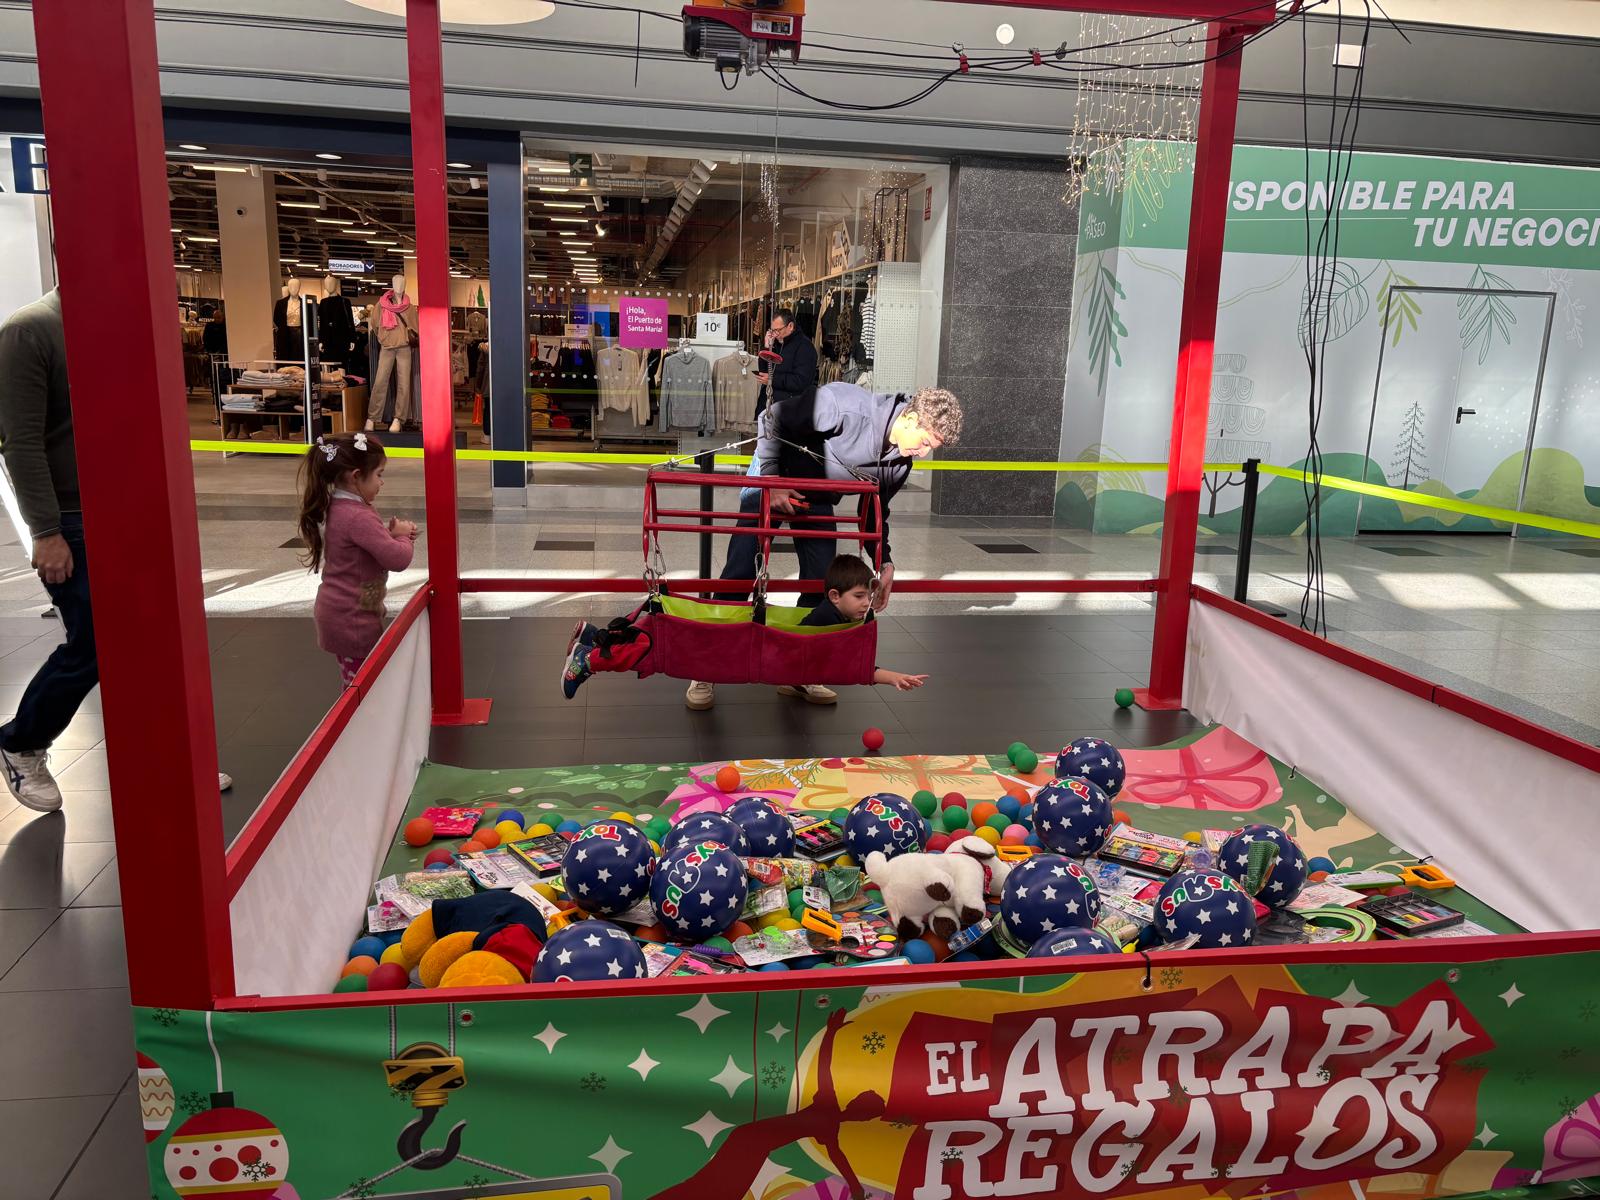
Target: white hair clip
329, 451
361, 442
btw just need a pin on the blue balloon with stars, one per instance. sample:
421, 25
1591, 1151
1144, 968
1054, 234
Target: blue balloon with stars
1072, 816
1287, 875
887, 823
706, 827
1071, 943
767, 831
588, 950
698, 889
607, 867
1207, 904
1047, 893
1093, 759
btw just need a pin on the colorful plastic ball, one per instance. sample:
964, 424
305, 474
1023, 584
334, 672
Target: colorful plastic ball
918, 951
1032, 840
925, 802
1121, 817
389, 977
1046, 893
568, 826
472, 847
1207, 904
437, 866
717, 943
1072, 816
1321, 863
1093, 759
589, 950
998, 822
1025, 815
486, 837
773, 966
989, 834
544, 829
439, 854
698, 889
1317, 876
1023, 758
728, 778
1009, 805
371, 946
418, 831
953, 800
982, 811
351, 983
845, 860
512, 815
839, 816
482, 968
1071, 943
955, 818
767, 831
872, 739
625, 817
363, 965
509, 831
1123, 697
966, 956
393, 954
658, 828
1287, 875
941, 948
938, 843
1014, 835
886, 823
607, 868
737, 930
786, 923
707, 827
797, 898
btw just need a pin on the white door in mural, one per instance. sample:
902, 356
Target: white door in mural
1453, 406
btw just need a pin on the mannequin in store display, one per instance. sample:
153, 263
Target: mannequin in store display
336, 323
288, 338
395, 328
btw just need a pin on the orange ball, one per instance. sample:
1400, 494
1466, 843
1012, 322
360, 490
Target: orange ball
728, 778
363, 964
982, 811
737, 930
486, 837
941, 948
652, 933
473, 847
419, 831
1317, 876
1121, 814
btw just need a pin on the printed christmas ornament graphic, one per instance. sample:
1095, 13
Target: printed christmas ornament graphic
227, 1153
156, 1099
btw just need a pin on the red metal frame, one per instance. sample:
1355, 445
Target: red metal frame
949, 587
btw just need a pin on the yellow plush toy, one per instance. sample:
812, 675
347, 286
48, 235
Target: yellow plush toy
414, 942
442, 954
480, 968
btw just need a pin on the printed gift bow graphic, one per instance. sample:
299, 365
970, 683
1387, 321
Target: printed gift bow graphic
1220, 771
1572, 1145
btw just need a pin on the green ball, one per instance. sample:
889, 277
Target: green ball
927, 803
1124, 697
658, 828
1026, 761
718, 943
838, 816
797, 899
999, 821
956, 817
1012, 750
351, 983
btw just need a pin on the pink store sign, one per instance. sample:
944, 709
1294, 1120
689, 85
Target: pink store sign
642, 323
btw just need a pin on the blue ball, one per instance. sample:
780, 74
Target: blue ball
1009, 805
509, 814
706, 827
698, 889
1094, 760
1032, 840
369, 945
569, 827
1070, 943
1319, 863
391, 937
1288, 874
965, 956
1025, 815
1046, 893
766, 830
1207, 904
587, 950
1072, 816
773, 966
886, 823
607, 868
918, 951
439, 866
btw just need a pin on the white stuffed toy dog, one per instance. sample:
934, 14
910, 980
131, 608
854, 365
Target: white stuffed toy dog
941, 893
992, 868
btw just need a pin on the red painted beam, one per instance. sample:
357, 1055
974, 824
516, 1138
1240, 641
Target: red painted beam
100, 89
1241, 13
1197, 327
946, 587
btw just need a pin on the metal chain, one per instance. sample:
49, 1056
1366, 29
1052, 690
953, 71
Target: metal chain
379, 1178
507, 1171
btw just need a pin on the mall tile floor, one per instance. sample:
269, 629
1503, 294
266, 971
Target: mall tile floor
1512, 622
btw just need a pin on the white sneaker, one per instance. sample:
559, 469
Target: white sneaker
224, 781
394, 425
369, 425
28, 776
811, 693
700, 695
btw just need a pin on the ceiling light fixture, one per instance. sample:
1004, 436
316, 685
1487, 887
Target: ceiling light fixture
297, 204
190, 146
569, 220
459, 166
542, 188
219, 169
552, 170
197, 238
472, 12
332, 157
330, 220
561, 203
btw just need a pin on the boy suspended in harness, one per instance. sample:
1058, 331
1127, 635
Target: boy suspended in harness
624, 644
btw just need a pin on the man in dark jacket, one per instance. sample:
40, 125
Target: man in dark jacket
797, 373
855, 435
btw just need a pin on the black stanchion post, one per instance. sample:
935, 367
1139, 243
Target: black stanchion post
1247, 531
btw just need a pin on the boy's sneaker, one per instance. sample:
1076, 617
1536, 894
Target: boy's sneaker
701, 695
576, 669
582, 632
811, 693
28, 776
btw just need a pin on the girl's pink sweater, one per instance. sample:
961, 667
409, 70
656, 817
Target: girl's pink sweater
358, 552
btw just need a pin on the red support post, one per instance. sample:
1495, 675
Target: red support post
100, 89
425, 63
1197, 327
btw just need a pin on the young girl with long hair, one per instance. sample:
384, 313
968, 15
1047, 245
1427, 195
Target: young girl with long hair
350, 544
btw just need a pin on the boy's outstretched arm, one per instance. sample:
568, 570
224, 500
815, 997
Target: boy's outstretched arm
898, 679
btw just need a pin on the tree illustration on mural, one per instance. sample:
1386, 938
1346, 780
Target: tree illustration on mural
1406, 308
1484, 315
1105, 326
1231, 415
1341, 301
1411, 451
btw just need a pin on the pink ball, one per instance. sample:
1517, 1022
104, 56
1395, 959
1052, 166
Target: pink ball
1014, 835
